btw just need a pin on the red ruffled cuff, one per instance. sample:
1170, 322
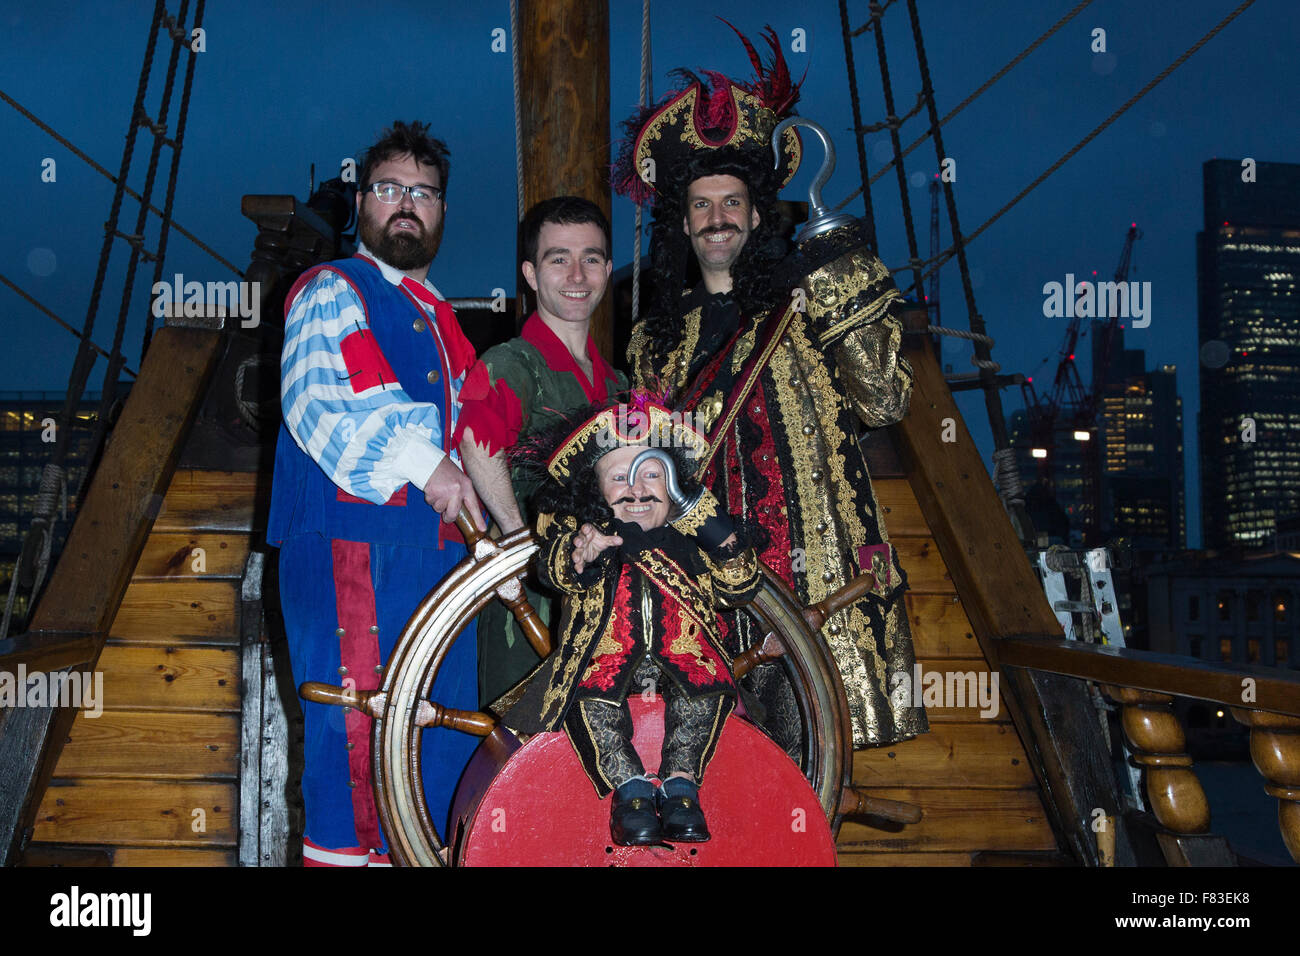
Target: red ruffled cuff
492, 410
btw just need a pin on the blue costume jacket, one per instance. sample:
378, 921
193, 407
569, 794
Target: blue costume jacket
370, 373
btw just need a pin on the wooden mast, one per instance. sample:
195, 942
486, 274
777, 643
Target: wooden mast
564, 112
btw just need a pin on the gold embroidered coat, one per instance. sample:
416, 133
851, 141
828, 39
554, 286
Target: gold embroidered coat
791, 461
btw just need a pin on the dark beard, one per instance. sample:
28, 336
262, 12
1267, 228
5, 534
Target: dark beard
403, 251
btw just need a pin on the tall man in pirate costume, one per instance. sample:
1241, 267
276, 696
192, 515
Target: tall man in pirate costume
784, 356
643, 582
522, 385
365, 483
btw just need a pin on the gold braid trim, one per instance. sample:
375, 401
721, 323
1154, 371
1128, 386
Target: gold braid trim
560, 563
589, 610
678, 363
687, 642
735, 574
691, 522
874, 312
837, 284
575, 443
668, 577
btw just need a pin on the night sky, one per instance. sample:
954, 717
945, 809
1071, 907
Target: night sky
281, 86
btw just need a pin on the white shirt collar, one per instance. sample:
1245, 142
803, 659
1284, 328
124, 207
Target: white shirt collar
391, 274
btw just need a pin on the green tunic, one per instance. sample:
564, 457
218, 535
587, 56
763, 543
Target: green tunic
533, 382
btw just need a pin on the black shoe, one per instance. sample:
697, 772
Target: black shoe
681, 818
632, 819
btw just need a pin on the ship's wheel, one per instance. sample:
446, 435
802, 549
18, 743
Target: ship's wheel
493, 570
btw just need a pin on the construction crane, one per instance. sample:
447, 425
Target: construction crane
1069, 400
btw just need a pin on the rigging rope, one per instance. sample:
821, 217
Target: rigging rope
158, 130
1007, 477
887, 87
644, 100
174, 28
876, 13
66, 144
948, 254
34, 560
964, 103
869, 219
519, 123
67, 325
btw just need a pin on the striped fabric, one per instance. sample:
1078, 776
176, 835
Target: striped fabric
342, 406
313, 855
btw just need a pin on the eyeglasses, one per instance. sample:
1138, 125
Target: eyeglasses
392, 193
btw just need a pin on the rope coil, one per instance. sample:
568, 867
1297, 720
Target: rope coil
1007, 477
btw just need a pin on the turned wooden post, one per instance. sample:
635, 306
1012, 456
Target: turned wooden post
1275, 749
1159, 748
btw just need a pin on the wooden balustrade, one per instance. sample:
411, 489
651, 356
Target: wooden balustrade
1160, 748
1275, 750
1144, 683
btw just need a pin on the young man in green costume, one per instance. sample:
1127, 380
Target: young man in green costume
529, 382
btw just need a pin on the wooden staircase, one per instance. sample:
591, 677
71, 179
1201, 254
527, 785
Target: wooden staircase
970, 775
155, 780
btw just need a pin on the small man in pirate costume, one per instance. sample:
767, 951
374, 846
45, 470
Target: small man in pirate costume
644, 564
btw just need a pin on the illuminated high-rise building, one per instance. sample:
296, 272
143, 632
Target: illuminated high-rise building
1140, 443
1248, 261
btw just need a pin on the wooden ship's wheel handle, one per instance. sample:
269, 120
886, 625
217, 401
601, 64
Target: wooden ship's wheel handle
430, 713
511, 592
770, 648
373, 703
853, 802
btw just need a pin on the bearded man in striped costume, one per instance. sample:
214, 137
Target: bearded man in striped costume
367, 484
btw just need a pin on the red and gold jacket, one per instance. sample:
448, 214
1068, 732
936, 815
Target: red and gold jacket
658, 595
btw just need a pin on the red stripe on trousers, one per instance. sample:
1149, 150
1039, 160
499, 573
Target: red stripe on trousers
354, 593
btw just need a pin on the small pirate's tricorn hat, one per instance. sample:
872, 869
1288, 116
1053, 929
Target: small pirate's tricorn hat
641, 420
665, 137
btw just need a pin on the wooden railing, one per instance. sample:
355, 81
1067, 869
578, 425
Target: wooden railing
1053, 713
1144, 684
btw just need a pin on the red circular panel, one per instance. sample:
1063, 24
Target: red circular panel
541, 810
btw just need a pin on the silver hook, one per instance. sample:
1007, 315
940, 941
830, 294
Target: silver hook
820, 219
675, 493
